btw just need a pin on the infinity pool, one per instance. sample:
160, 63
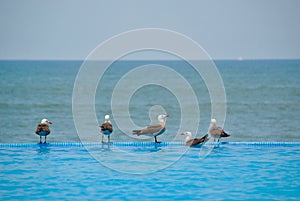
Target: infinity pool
145, 171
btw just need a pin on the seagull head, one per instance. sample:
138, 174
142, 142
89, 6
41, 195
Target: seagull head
46, 121
186, 133
107, 118
213, 122
162, 117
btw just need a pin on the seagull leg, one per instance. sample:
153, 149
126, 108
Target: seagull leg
45, 140
40, 139
102, 138
156, 140
108, 138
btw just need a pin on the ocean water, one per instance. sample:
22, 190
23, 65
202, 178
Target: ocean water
262, 100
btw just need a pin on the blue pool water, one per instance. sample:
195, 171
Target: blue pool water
232, 171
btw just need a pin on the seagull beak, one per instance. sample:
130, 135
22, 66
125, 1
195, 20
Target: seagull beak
182, 133
167, 115
49, 122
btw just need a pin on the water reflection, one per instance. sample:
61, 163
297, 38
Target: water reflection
43, 148
105, 147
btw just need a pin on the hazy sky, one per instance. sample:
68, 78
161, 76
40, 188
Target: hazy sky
226, 29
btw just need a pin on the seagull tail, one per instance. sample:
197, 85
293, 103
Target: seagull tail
205, 137
224, 134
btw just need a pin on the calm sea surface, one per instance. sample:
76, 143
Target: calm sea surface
262, 99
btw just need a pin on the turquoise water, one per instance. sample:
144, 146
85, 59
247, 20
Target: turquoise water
262, 99
233, 171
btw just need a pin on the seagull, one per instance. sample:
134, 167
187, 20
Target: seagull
106, 128
189, 141
216, 132
154, 129
42, 129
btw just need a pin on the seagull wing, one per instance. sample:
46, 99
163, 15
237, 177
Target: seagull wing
38, 128
106, 126
218, 132
224, 134
196, 141
42, 128
153, 128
